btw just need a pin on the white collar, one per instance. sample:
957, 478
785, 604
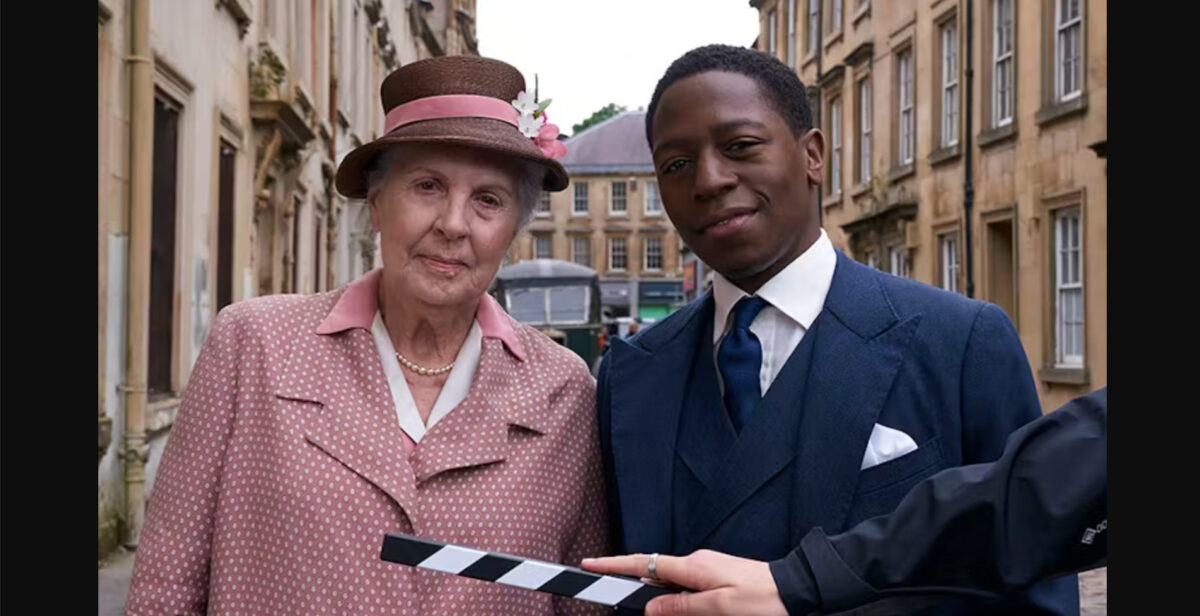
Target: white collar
454, 390
798, 291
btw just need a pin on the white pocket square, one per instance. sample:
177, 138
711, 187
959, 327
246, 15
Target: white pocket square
886, 444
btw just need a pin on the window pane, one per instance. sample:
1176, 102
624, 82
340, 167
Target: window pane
568, 304
528, 305
654, 253
653, 199
541, 247
581, 198
1069, 280
581, 251
616, 247
618, 196
1076, 250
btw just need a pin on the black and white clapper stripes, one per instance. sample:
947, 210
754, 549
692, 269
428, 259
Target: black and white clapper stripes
617, 591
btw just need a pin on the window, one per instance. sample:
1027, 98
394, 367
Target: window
299, 213
616, 254
225, 215
164, 191
318, 260
814, 16
1068, 76
542, 248
835, 146
1068, 282
653, 198
547, 305
1002, 62
949, 35
772, 28
579, 205
835, 15
814, 97
898, 258
528, 305
542, 210
905, 82
581, 250
948, 247
654, 254
791, 40
872, 260
864, 131
616, 204
568, 304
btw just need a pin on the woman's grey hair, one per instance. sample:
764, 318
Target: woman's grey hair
529, 181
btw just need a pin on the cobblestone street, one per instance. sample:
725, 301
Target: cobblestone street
1093, 592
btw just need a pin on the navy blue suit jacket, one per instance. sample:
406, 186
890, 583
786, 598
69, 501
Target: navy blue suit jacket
948, 371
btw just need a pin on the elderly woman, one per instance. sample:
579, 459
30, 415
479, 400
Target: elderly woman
407, 401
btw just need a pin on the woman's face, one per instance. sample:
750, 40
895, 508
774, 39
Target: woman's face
446, 216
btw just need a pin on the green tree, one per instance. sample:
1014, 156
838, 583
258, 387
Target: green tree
605, 112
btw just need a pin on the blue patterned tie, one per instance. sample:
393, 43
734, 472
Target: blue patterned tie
740, 360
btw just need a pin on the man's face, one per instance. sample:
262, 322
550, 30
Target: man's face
735, 181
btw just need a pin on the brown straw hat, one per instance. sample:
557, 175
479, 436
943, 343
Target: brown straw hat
450, 75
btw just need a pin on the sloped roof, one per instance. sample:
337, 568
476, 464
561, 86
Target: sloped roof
616, 145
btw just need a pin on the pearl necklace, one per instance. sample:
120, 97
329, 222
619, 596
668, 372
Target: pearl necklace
421, 370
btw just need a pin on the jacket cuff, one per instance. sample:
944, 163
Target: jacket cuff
795, 583
838, 586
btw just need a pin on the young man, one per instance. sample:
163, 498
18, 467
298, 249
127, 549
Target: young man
804, 390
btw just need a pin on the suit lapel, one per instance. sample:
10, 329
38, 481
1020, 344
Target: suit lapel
859, 351
765, 447
647, 395
705, 432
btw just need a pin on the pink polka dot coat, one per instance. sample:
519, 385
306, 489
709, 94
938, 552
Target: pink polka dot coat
286, 467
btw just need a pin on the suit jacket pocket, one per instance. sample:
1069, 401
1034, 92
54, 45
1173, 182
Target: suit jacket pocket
894, 471
882, 487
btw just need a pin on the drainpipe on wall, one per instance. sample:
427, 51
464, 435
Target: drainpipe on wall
968, 179
820, 102
141, 150
332, 210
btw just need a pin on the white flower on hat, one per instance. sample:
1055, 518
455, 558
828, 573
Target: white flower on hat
525, 103
529, 125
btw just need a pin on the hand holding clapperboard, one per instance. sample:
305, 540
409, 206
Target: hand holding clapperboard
617, 591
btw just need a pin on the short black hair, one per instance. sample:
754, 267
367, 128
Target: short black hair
779, 83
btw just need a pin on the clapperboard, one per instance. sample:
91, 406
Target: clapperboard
617, 591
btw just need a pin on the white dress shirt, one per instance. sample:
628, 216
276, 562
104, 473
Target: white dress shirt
795, 297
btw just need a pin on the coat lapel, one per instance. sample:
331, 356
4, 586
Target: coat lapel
860, 348
476, 431
705, 432
353, 419
765, 447
647, 395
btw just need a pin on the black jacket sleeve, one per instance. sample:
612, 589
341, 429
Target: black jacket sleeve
1038, 512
